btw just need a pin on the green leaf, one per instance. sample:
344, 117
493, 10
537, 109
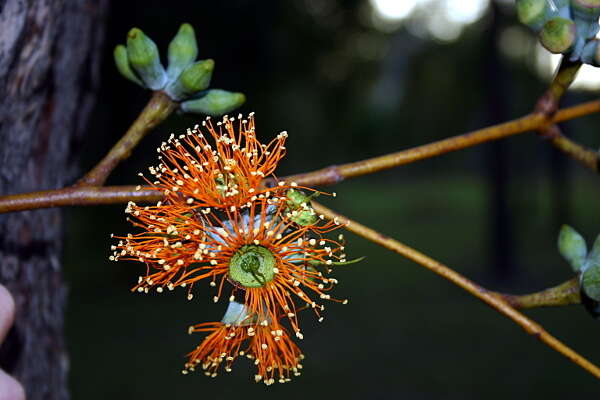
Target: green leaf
572, 247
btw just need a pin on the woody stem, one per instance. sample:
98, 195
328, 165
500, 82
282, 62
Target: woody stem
492, 299
79, 195
157, 110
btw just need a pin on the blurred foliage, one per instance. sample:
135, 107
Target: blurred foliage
345, 90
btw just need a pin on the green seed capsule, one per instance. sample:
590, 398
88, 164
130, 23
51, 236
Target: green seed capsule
558, 35
145, 60
215, 102
252, 266
183, 50
122, 62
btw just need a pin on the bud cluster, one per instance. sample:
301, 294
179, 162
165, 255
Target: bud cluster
566, 27
185, 80
573, 248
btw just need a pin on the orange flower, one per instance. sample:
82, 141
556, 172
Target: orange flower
275, 354
259, 249
216, 222
221, 167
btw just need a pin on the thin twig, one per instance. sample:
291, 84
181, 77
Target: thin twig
565, 294
334, 174
548, 105
72, 196
157, 110
493, 300
584, 155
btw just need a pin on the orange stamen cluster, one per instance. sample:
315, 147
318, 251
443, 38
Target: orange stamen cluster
276, 356
214, 207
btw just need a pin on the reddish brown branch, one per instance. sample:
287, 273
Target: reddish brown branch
77, 196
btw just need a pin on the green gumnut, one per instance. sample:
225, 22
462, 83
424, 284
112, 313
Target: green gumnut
145, 60
122, 62
533, 13
558, 35
296, 197
572, 247
193, 79
183, 50
215, 102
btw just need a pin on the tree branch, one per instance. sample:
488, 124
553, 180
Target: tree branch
495, 301
334, 174
82, 195
565, 294
157, 110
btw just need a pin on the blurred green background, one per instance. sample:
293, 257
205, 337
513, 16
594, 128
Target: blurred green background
350, 80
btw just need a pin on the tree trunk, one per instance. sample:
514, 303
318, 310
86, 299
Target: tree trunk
49, 62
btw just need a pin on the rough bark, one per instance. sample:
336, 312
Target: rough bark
48, 73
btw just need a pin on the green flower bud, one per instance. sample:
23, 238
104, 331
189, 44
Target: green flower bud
533, 13
193, 79
558, 35
572, 247
122, 62
299, 206
183, 50
145, 60
215, 102
252, 266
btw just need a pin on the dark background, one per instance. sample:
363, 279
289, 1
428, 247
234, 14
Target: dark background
347, 87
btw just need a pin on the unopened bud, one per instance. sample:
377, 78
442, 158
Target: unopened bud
572, 247
533, 13
122, 62
193, 79
215, 102
183, 50
145, 60
558, 35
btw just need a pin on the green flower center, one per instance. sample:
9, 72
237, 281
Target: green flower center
252, 266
